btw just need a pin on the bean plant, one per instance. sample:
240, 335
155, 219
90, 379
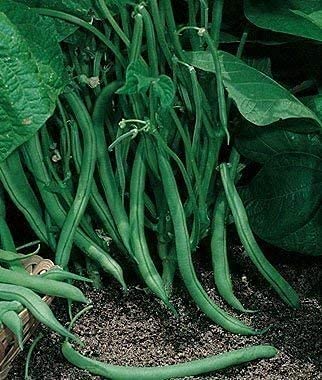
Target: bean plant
133, 132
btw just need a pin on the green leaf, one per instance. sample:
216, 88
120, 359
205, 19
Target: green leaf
296, 17
32, 74
307, 239
260, 99
284, 195
137, 79
202, 59
75, 7
165, 90
260, 144
64, 29
262, 64
315, 104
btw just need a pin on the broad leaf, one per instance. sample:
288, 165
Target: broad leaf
284, 195
315, 104
43, 47
262, 64
260, 99
137, 79
296, 17
307, 239
75, 7
32, 74
260, 144
64, 29
164, 89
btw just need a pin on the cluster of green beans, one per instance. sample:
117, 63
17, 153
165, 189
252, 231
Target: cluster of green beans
119, 178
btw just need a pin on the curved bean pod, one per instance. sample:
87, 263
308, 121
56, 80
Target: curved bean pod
96, 200
13, 322
17, 186
10, 306
6, 238
84, 187
12, 257
86, 25
57, 212
195, 367
219, 255
185, 264
106, 173
42, 285
281, 286
62, 275
138, 241
37, 307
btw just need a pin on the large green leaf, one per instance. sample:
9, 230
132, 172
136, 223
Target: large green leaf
296, 17
75, 7
43, 46
259, 98
32, 74
260, 144
78, 8
262, 64
285, 195
307, 239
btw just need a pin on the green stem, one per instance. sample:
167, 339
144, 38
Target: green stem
77, 21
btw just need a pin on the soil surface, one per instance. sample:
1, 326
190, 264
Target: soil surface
133, 328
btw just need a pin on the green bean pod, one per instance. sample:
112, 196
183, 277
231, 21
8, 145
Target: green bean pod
138, 241
114, 24
10, 306
14, 323
17, 186
87, 26
150, 40
42, 285
84, 187
281, 286
6, 239
195, 367
136, 43
63, 275
9, 257
160, 30
188, 274
10, 318
106, 173
96, 200
37, 307
57, 212
219, 255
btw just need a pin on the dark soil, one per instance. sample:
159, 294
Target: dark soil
135, 329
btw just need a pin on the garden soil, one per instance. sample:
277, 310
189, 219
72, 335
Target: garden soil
134, 328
